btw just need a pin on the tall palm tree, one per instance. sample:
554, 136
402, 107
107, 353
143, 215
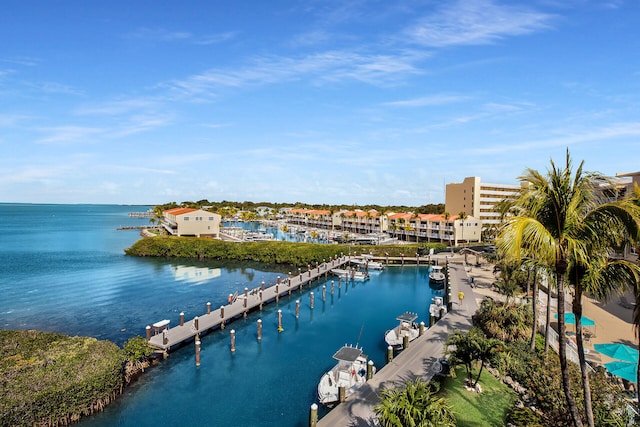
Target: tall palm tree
548, 211
604, 226
446, 217
462, 216
600, 278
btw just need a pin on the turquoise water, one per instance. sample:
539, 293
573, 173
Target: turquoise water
66, 272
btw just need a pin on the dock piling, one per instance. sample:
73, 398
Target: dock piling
313, 415
280, 328
369, 370
389, 354
208, 308
181, 318
324, 292
421, 330
259, 329
297, 308
197, 352
148, 332
311, 299
233, 340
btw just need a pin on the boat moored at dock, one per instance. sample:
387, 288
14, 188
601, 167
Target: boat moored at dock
436, 276
349, 274
407, 327
366, 262
350, 372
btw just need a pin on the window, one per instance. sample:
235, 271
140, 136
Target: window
186, 218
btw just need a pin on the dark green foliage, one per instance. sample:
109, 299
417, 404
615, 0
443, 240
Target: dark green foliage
540, 375
525, 417
49, 378
413, 404
503, 321
136, 348
294, 254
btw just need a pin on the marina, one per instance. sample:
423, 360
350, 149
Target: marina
161, 336
72, 277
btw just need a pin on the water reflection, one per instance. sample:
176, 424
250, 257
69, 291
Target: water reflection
195, 275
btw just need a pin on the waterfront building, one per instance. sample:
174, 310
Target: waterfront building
363, 222
191, 222
448, 229
479, 200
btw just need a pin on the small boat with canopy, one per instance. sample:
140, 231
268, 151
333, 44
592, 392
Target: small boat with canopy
407, 327
350, 372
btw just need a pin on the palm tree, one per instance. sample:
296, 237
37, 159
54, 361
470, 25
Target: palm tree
548, 211
413, 404
462, 216
446, 217
600, 277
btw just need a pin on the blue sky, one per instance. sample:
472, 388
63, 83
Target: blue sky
316, 101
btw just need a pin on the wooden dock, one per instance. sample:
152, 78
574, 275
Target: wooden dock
160, 336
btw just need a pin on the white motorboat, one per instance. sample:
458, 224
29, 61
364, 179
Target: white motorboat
436, 276
350, 372
257, 236
407, 327
437, 309
367, 263
349, 274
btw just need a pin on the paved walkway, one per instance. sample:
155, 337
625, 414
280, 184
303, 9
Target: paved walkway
414, 362
613, 324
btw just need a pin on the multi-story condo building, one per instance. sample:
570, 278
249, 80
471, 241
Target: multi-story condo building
411, 227
478, 199
449, 229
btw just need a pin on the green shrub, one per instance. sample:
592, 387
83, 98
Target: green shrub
270, 252
51, 378
525, 417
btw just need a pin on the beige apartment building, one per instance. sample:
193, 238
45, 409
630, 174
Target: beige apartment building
191, 222
478, 199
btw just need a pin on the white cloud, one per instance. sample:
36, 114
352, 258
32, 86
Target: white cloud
605, 134
475, 22
427, 101
69, 134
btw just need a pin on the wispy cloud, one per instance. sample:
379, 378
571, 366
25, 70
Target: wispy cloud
605, 134
215, 38
120, 106
70, 134
33, 173
159, 34
164, 35
21, 60
475, 22
428, 101
318, 67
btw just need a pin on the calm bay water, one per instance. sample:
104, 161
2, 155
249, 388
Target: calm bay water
64, 270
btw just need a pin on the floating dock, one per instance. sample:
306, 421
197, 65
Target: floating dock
162, 337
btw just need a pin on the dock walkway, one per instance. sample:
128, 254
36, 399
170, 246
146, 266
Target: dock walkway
414, 362
239, 306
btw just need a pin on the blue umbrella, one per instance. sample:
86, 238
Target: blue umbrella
570, 319
625, 370
618, 351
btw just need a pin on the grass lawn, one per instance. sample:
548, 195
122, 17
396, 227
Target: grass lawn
489, 408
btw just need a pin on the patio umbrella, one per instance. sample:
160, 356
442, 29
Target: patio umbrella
625, 370
618, 351
570, 319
